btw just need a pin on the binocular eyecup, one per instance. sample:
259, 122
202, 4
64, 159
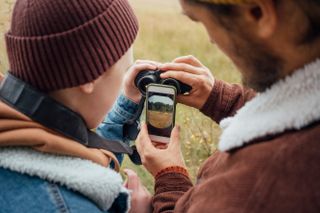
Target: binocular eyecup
146, 77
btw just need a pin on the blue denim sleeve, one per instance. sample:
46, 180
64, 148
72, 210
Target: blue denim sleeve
111, 128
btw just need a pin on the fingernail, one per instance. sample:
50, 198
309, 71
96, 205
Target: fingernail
125, 171
128, 172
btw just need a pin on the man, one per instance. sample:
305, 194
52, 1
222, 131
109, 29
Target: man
269, 150
68, 60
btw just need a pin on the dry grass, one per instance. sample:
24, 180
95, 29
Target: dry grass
164, 35
5, 11
160, 119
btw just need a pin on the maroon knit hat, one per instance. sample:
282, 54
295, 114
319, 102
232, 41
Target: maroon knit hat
57, 44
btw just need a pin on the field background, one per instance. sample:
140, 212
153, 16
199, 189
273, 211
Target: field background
164, 35
160, 119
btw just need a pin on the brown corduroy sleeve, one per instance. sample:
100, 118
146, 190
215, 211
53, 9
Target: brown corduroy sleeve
169, 187
225, 100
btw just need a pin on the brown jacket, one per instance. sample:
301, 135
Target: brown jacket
279, 172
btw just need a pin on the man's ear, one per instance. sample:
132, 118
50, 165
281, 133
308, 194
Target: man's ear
87, 88
263, 16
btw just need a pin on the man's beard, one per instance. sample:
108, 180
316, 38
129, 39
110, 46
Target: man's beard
260, 68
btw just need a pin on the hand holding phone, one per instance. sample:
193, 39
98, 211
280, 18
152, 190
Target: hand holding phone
154, 159
160, 111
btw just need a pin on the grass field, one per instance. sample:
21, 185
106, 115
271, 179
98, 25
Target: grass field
160, 119
164, 35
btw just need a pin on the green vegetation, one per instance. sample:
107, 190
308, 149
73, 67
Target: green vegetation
161, 107
164, 35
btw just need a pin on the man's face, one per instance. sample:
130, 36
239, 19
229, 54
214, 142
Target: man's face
260, 68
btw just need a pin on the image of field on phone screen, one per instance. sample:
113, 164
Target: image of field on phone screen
160, 112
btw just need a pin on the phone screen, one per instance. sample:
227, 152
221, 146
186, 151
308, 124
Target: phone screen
160, 114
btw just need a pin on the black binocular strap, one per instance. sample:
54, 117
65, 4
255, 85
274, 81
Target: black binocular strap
48, 112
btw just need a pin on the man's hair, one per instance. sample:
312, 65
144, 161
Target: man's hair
311, 8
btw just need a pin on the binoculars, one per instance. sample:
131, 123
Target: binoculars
146, 77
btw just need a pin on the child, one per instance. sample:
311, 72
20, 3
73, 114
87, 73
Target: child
67, 62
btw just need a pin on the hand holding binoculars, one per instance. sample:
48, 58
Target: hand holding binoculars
146, 77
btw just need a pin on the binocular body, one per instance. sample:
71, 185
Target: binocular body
146, 77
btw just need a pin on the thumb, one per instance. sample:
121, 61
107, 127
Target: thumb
133, 180
1, 76
143, 141
175, 137
189, 59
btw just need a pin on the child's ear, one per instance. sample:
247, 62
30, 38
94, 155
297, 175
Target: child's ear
87, 88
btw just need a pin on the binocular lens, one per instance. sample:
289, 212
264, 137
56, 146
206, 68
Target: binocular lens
144, 82
172, 82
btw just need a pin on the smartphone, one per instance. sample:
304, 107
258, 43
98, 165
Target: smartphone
160, 111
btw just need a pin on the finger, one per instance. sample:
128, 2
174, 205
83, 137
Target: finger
143, 66
146, 191
135, 69
143, 141
125, 184
175, 138
140, 61
133, 181
189, 59
187, 78
1, 77
140, 67
185, 99
181, 67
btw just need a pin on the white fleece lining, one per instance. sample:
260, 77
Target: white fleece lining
290, 104
101, 185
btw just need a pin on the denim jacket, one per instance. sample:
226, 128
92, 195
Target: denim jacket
111, 128
33, 193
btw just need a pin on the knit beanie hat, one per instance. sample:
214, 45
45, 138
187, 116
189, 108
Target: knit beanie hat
57, 44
